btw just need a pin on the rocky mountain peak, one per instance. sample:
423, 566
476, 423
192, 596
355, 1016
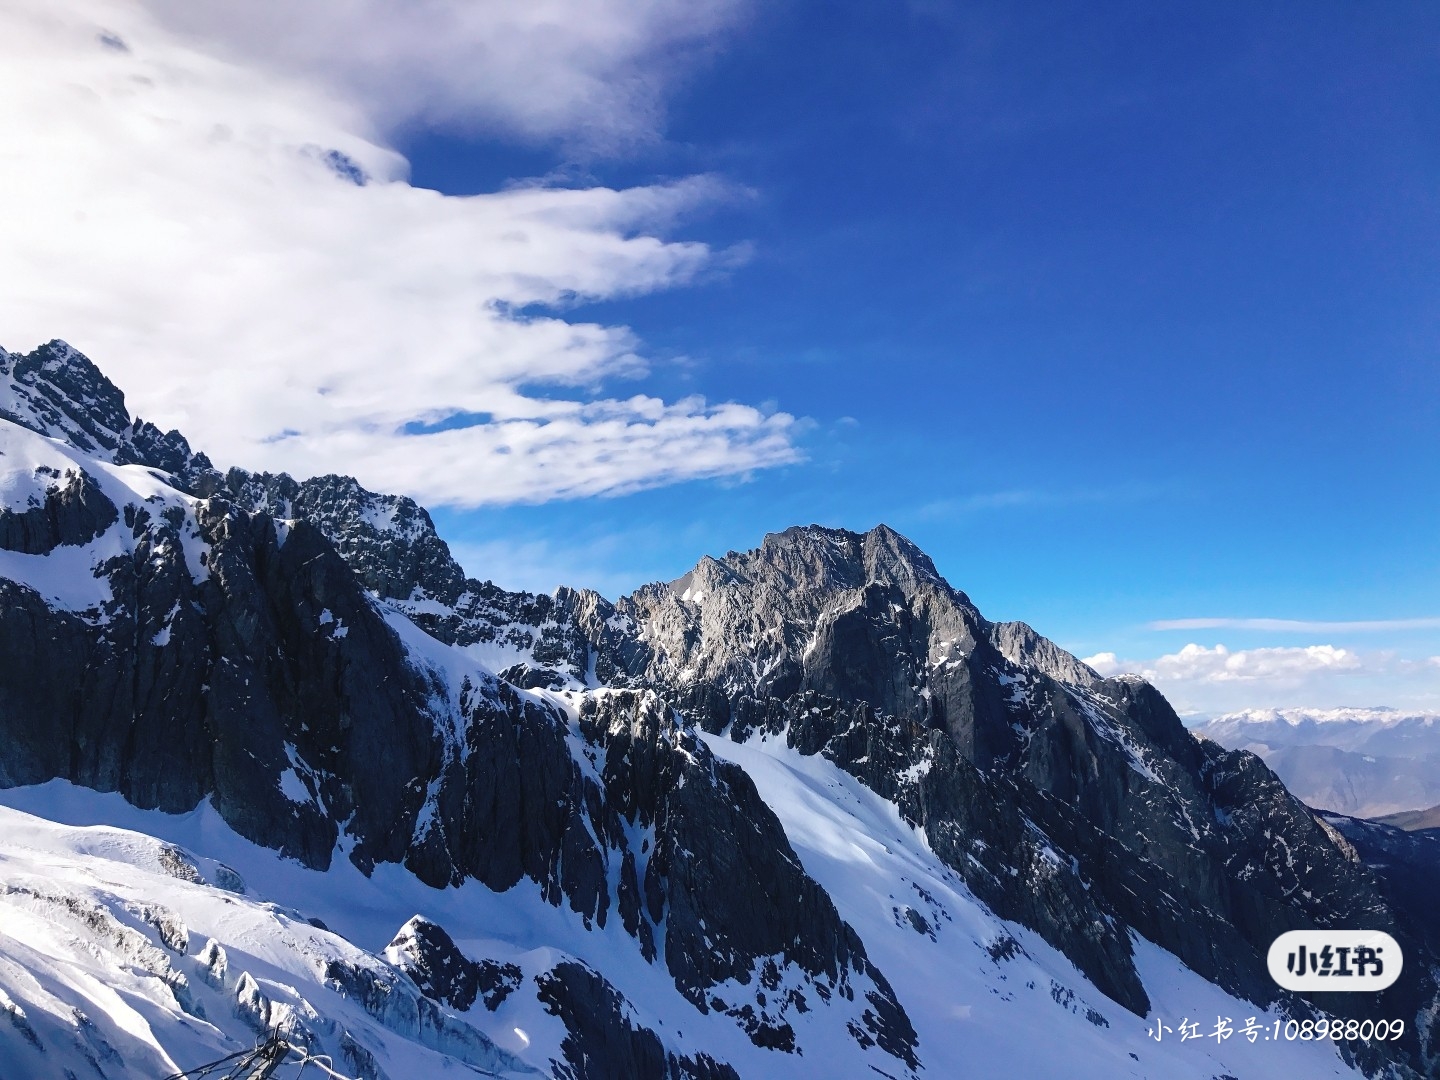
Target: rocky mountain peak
57, 391
765, 620
825, 559
388, 540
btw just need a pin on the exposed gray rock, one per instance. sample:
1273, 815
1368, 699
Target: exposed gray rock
1023, 647
1078, 806
387, 540
177, 864
736, 903
174, 935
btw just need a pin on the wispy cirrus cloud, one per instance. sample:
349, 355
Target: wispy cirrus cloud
1339, 626
1035, 498
200, 197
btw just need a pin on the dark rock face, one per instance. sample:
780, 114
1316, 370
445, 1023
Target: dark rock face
62, 394
178, 690
569, 640
74, 511
425, 952
1407, 864
740, 906
242, 658
388, 541
603, 1044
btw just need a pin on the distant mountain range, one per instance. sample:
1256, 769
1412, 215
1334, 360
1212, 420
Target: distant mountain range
1365, 763
1413, 820
271, 763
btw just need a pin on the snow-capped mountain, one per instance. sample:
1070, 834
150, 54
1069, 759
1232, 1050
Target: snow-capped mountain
1360, 762
272, 762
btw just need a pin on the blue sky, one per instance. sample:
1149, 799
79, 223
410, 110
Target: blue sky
1125, 314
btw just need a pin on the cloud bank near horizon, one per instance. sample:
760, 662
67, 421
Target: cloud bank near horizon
1216, 679
224, 231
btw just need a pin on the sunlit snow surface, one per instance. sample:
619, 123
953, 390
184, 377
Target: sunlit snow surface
72, 577
976, 1015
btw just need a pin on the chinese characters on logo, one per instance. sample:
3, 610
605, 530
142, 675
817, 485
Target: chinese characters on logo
1335, 960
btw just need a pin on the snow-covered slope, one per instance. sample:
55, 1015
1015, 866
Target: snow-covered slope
990, 998
65, 534
126, 957
144, 950
178, 951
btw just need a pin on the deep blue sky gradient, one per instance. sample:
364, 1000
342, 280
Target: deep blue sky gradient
1122, 312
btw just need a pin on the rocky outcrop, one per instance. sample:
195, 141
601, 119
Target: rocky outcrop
74, 511
1022, 646
1407, 864
603, 1043
246, 659
571, 639
425, 952
388, 541
716, 869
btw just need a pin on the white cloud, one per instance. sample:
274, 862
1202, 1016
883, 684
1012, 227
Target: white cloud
177, 217
591, 72
1219, 664
1215, 679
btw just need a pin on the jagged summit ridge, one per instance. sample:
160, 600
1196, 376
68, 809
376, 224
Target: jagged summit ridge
817, 559
57, 391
